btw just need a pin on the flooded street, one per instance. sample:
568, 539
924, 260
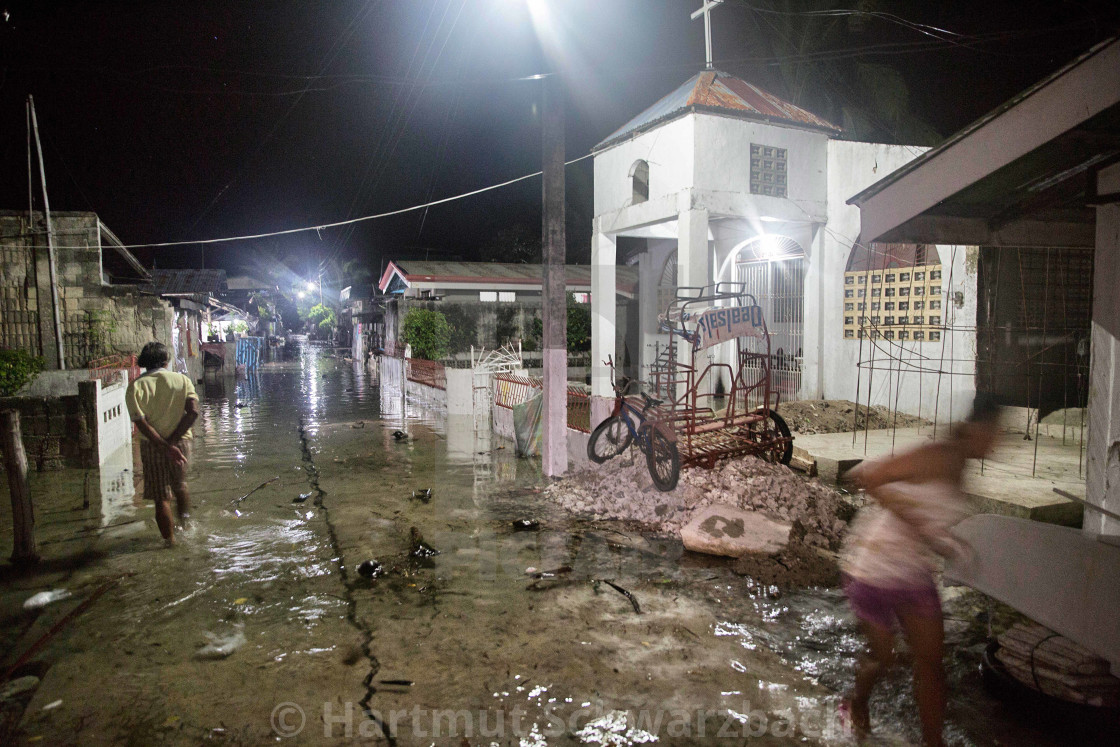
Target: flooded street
298, 613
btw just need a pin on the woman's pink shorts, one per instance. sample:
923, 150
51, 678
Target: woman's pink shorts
884, 607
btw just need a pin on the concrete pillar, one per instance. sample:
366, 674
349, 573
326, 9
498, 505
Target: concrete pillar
554, 315
693, 262
1103, 481
603, 253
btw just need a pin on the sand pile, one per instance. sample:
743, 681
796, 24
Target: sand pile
839, 415
622, 490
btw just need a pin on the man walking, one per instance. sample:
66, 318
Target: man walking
164, 406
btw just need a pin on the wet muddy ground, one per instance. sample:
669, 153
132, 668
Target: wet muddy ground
505, 637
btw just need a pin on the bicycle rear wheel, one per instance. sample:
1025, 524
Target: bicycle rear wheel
663, 460
609, 439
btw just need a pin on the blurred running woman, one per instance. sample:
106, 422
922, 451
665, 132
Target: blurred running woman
164, 406
890, 557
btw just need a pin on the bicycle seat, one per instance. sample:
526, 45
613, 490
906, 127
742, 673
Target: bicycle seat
651, 401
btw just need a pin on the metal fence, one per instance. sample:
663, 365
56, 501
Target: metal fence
106, 368
428, 373
248, 351
512, 389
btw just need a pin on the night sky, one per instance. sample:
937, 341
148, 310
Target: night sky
187, 120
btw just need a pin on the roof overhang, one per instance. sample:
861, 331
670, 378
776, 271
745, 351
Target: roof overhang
1022, 175
110, 238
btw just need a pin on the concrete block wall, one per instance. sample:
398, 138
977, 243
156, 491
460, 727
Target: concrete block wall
79, 428
97, 319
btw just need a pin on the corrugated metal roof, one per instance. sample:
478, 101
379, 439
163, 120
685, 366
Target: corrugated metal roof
715, 91
185, 282
501, 273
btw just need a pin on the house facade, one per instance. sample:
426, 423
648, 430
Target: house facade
725, 182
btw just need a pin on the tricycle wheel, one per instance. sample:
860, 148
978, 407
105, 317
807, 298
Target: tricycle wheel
663, 460
609, 439
780, 446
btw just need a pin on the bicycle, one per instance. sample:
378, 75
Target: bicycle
629, 423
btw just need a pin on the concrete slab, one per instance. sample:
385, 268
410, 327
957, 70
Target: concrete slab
1003, 484
725, 530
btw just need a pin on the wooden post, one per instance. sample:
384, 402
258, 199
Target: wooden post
15, 464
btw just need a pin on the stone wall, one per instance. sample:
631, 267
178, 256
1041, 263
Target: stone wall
97, 319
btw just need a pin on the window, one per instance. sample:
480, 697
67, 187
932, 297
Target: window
919, 291
860, 334
889, 320
919, 320
919, 334
875, 320
507, 296
905, 305
488, 296
903, 335
848, 293
904, 320
850, 333
862, 306
875, 292
935, 319
849, 306
919, 305
639, 182
935, 290
862, 292
934, 336
935, 274
861, 279
849, 320
876, 278
935, 304
889, 306
904, 291
889, 334
890, 291
875, 334
904, 277
874, 305
768, 170
890, 278
918, 276
849, 279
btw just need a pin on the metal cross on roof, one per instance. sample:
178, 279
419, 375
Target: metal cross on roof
706, 11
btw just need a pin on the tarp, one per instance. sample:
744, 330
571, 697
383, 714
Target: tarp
527, 425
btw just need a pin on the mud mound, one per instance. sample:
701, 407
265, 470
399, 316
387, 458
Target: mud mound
836, 416
622, 490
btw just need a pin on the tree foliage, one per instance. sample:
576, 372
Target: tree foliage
428, 332
17, 368
322, 316
518, 243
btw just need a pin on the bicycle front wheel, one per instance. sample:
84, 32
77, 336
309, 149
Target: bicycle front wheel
609, 439
663, 460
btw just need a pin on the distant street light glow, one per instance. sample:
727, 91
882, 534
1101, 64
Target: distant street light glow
310, 285
301, 294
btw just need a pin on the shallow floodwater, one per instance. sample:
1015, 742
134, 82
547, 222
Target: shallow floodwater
264, 624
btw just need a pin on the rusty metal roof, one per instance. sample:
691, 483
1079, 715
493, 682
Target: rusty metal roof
185, 282
722, 93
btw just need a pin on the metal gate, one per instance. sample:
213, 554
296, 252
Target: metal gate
779, 287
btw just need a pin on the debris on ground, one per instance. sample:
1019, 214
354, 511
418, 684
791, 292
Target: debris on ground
370, 569
301, 497
818, 515
839, 416
423, 495
43, 598
18, 686
526, 525
220, 646
420, 548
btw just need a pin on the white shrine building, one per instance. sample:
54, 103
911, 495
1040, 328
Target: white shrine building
726, 182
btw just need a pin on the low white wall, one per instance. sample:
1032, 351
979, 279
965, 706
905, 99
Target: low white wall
460, 391
114, 428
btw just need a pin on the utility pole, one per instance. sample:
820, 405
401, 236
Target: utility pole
554, 309
50, 237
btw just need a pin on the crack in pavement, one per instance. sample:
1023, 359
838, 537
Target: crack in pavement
348, 591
